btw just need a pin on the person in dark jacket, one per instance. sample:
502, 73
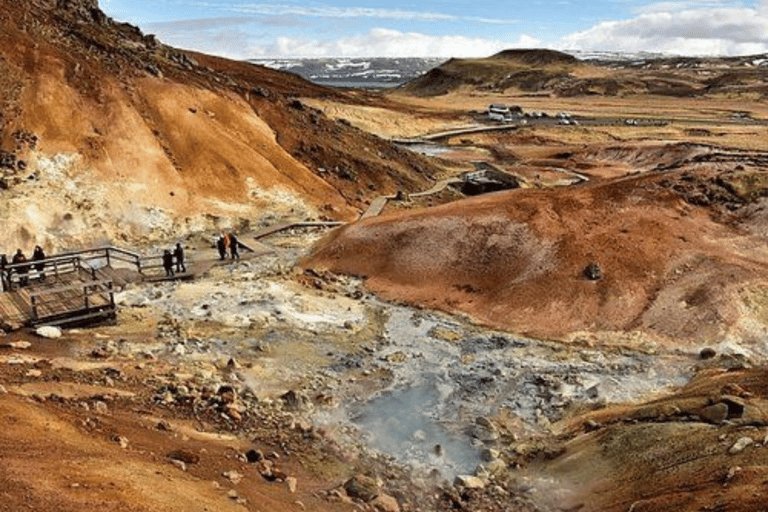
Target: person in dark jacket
178, 255
22, 270
221, 245
233, 243
4, 286
168, 263
38, 256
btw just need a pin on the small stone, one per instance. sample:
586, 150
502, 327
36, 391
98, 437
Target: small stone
48, 331
591, 426
484, 430
254, 456
469, 482
179, 464
292, 484
489, 455
716, 413
33, 373
100, 407
361, 487
593, 272
385, 503
732, 472
227, 394
122, 441
707, 353
164, 426
3, 391
19, 345
186, 456
232, 494
264, 467
304, 427
740, 445
233, 476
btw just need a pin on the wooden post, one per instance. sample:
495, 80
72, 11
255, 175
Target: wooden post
33, 300
85, 296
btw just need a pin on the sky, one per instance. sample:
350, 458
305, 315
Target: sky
264, 29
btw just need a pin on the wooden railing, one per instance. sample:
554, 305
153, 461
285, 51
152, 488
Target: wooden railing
16, 275
101, 290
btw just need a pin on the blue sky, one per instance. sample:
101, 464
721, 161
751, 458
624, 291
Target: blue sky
453, 28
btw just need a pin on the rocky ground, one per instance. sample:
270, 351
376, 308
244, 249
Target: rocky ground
258, 387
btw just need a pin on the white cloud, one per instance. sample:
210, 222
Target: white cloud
332, 11
381, 42
719, 31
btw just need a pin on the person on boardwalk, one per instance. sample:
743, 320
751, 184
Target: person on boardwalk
168, 263
22, 270
38, 256
178, 255
233, 243
4, 286
221, 245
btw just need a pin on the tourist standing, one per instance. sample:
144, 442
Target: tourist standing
22, 270
221, 245
38, 256
178, 255
168, 263
233, 243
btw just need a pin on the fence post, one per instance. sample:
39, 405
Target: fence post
108, 262
85, 296
33, 300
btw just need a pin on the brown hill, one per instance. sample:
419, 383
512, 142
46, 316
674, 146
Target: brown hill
107, 126
679, 253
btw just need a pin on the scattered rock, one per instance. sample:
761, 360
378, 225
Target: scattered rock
361, 487
484, 430
385, 503
707, 353
164, 426
227, 394
254, 456
18, 345
593, 272
233, 476
489, 455
179, 464
740, 445
100, 407
186, 456
33, 373
3, 391
469, 482
265, 467
716, 413
291, 399
732, 472
292, 484
49, 332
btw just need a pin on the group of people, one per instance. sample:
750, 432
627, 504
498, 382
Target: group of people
23, 271
174, 258
229, 242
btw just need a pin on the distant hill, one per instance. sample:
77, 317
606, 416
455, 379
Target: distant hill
355, 72
563, 74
